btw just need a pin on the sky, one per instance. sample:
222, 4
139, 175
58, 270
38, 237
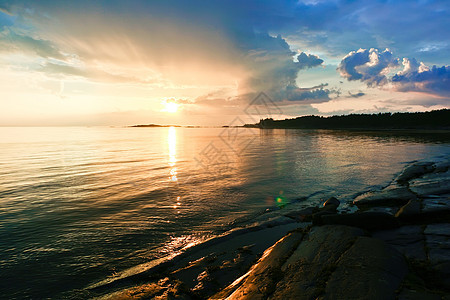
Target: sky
88, 63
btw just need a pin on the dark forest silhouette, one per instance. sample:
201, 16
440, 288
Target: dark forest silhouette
437, 119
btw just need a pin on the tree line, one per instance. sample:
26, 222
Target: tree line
436, 119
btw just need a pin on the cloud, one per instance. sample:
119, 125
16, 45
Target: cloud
372, 67
226, 42
308, 60
253, 47
11, 42
369, 66
274, 71
408, 27
93, 74
420, 78
335, 27
179, 101
6, 19
356, 95
4, 10
315, 94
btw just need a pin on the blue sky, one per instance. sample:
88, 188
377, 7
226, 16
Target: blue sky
122, 62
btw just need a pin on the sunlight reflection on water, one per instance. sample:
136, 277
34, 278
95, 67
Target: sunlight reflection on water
80, 204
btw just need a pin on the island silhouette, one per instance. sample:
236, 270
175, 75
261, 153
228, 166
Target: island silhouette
431, 120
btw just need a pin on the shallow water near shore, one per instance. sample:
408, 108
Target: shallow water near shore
78, 205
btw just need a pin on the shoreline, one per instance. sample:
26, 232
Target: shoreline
409, 219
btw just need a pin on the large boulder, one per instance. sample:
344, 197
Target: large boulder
370, 269
331, 204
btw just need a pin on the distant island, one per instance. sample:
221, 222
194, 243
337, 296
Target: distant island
432, 120
156, 125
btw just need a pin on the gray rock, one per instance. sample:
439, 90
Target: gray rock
408, 240
370, 269
436, 203
303, 215
407, 294
392, 195
392, 210
438, 243
438, 229
317, 217
410, 209
434, 210
365, 220
332, 202
263, 276
161, 289
306, 271
442, 166
437, 237
416, 170
431, 184
322, 245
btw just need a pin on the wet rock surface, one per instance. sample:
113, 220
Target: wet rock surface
396, 246
414, 171
392, 195
436, 183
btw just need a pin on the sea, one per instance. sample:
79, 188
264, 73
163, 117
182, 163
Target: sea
79, 205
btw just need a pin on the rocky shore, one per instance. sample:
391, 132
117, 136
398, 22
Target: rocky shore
395, 245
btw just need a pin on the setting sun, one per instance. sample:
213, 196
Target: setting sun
171, 107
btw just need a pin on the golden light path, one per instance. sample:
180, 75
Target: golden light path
172, 143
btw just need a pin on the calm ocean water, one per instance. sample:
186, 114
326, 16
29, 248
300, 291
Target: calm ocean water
80, 204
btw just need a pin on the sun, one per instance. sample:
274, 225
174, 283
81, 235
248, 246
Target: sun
171, 107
